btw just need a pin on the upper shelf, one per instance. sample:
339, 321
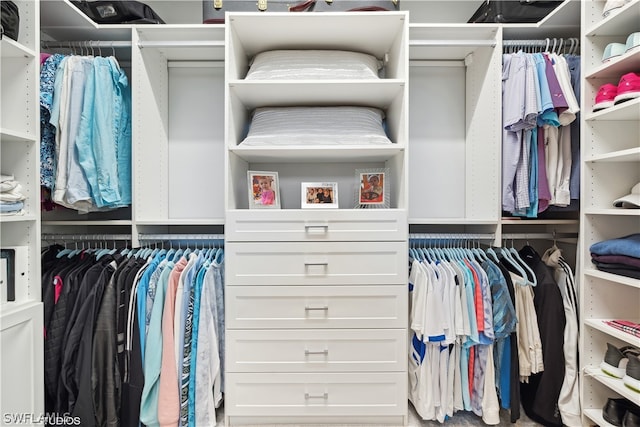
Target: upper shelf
449, 41
622, 22
373, 32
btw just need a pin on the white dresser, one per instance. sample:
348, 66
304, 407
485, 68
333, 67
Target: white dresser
316, 300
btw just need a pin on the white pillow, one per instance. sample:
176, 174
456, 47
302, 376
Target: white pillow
344, 125
313, 64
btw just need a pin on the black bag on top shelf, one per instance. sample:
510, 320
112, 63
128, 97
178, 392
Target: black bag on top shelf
513, 11
10, 17
118, 12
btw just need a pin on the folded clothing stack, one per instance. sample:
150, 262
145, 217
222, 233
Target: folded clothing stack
11, 197
618, 256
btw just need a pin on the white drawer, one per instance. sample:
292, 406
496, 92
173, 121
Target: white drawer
269, 307
321, 263
316, 350
316, 394
325, 225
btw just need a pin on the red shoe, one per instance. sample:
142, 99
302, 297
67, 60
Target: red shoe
628, 88
605, 97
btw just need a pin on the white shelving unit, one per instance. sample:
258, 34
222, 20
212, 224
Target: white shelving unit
610, 167
307, 362
21, 320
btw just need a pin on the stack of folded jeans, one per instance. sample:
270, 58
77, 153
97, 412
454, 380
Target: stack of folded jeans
11, 197
618, 256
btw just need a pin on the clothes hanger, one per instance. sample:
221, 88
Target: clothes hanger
531, 275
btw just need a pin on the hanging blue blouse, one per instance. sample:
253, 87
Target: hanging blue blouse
47, 130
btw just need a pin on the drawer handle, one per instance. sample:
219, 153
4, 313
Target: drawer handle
324, 396
323, 308
323, 352
323, 264
316, 229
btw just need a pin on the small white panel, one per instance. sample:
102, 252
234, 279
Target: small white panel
437, 141
196, 142
316, 263
322, 350
366, 394
264, 307
301, 225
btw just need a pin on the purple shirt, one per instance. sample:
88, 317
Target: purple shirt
557, 96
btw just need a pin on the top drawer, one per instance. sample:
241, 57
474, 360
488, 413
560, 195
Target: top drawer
311, 225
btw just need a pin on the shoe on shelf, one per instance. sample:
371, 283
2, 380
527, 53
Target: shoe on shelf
633, 42
632, 373
628, 88
616, 359
612, 51
631, 419
615, 410
613, 5
605, 97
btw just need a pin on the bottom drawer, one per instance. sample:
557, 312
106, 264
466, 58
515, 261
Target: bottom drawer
316, 394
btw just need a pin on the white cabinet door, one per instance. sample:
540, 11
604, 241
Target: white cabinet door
22, 364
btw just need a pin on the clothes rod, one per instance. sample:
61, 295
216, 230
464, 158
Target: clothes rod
446, 43
538, 236
86, 237
85, 44
182, 44
176, 237
451, 236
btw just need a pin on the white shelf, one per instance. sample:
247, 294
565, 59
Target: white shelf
622, 22
613, 212
446, 42
563, 21
9, 135
629, 110
196, 221
518, 221
617, 67
17, 218
616, 278
595, 415
117, 222
609, 330
319, 153
375, 93
311, 31
613, 383
12, 49
628, 155
453, 221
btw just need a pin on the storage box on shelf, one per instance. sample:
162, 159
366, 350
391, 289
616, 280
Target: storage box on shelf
611, 166
308, 280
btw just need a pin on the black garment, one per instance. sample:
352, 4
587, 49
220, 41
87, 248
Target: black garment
133, 378
540, 395
619, 269
53, 343
75, 375
105, 373
514, 381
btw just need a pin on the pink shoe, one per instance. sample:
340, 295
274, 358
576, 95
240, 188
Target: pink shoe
628, 88
605, 97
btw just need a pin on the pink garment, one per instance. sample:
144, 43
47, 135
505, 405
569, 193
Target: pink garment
168, 396
267, 197
43, 57
544, 193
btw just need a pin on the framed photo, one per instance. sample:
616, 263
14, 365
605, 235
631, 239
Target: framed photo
373, 188
264, 192
319, 195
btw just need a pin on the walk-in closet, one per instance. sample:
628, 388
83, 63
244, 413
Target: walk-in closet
470, 256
